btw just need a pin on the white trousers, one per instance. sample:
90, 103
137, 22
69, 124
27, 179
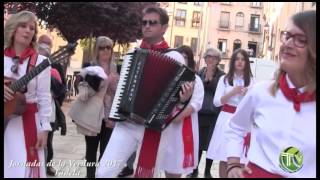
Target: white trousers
125, 140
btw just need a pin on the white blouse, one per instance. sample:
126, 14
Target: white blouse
224, 87
275, 126
38, 90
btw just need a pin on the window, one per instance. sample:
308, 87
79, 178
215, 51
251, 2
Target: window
252, 47
196, 19
256, 4
222, 45
194, 43
198, 3
254, 23
178, 41
236, 44
239, 19
181, 17
224, 19
226, 3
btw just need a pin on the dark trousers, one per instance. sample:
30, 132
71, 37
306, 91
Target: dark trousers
49, 147
92, 143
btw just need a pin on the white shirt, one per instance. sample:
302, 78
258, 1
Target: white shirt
172, 145
275, 126
224, 87
38, 90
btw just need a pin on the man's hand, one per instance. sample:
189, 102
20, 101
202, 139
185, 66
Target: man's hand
186, 92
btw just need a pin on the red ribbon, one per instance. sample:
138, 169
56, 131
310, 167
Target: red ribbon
293, 94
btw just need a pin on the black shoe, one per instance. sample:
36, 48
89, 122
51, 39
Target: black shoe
51, 171
125, 172
207, 175
194, 174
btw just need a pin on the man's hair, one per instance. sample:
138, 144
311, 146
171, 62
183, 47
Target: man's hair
164, 18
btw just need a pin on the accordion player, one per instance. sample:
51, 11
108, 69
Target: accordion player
148, 88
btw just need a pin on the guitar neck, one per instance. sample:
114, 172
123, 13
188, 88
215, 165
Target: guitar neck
24, 80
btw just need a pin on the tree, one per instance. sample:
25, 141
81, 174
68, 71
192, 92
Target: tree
121, 21
118, 20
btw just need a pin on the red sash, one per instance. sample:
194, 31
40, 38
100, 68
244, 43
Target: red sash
30, 137
258, 172
228, 108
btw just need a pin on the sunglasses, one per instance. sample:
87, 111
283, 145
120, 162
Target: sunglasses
150, 22
104, 47
15, 66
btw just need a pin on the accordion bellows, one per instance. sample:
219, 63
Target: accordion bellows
148, 88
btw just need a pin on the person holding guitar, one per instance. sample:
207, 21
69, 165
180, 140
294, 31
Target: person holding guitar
27, 127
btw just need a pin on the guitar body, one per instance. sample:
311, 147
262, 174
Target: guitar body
16, 106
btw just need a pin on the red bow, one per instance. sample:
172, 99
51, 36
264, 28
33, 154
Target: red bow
293, 94
10, 52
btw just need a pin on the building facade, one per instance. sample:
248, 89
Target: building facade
187, 25
235, 25
276, 15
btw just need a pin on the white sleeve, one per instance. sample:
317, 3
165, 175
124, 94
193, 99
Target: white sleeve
239, 125
197, 96
44, 99
219, 92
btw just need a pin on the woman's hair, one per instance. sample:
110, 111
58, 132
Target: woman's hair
100, 42
14, 22
306, 21
188, 51
212, 52
247, 74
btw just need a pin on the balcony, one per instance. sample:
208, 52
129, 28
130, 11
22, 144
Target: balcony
254, 30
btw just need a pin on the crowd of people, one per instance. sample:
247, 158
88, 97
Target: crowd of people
228, 115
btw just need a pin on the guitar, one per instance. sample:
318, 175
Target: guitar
17, 105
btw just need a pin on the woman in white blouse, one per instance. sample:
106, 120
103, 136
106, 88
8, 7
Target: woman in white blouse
181, 137
281, 112
25, 135
230, 90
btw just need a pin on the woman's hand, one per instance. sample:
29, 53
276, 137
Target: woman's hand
42, 140
237, 90
109, 124
186, 92
237, 172
8, 93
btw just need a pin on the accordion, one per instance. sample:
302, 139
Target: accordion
148, 88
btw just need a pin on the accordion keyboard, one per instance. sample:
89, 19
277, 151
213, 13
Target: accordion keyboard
114, 112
